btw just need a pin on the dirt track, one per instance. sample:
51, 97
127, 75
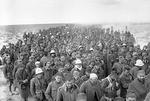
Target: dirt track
4, 93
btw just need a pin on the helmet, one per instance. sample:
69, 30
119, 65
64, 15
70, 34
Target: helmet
38, 71
91, 49
52, 51
37, 62
93, 75
139, 63
78, 61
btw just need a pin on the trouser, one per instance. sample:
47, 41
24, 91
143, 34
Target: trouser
10, 84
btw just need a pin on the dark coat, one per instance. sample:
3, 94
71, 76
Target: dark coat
134, 72
37, 88
48, 74
29, 67
92, 91
66, 95
110, 87
20, 76
51, 91
139, 89
125, 80
8, 71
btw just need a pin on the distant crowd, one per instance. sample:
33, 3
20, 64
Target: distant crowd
77, 63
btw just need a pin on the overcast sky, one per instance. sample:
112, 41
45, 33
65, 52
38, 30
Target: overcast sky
73, 11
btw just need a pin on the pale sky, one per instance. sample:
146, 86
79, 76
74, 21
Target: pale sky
73, 11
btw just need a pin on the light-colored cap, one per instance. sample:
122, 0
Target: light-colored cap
139, 63
52, 51
38, 71
37, 62
78, 61
93, 76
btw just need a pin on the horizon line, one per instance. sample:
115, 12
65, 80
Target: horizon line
77, 23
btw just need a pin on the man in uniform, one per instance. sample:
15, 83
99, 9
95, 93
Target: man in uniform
139, 86
51, 91
92, 88
38, 86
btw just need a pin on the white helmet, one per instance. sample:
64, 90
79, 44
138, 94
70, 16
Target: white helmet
93, 76
78, 61
139, 63
37, 62
52, 51
38, 71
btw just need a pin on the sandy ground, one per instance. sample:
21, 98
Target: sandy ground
4, 92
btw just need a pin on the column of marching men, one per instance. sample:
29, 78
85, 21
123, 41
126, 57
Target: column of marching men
108, 68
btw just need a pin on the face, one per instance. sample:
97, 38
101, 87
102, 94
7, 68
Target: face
91, 64
141, 77
93, 80
21, 57
37, 65
104, 51
76, 75
62, 58
121, 59
69, 84
31, 59
87, 73
48, 64
53, 55
128, 56
58, 78
39, 75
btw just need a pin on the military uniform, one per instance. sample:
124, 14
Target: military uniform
51, 91
38, 88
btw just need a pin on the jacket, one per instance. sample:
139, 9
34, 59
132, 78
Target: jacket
139, 89
65, 95
93, 91
51, 91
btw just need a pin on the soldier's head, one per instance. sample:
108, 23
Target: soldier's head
141, 76
131, 97
31, 58
39, 72
37, 64
76, 74
139, 63
69, 83
88, 71
78, 64
52, 53
48, 64
58, 77
121, 58
93, 77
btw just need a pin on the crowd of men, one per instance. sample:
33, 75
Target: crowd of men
77, 63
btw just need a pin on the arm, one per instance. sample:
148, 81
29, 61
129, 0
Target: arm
5, 72
82, 88
48, 92
59, 95
32, 88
